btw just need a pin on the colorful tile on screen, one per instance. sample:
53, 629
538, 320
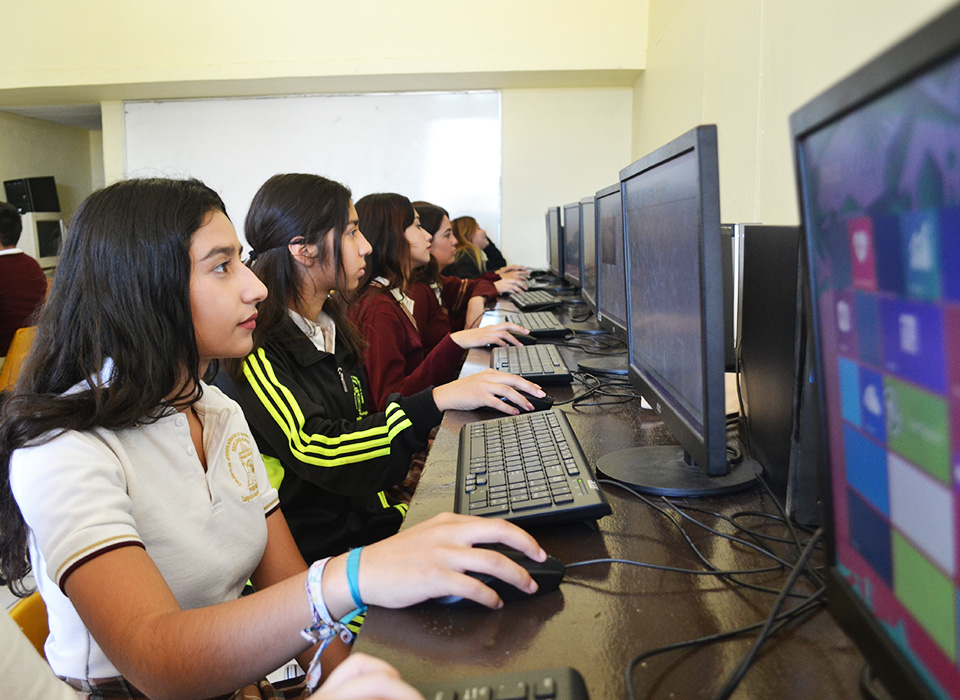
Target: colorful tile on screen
917, 427
866, 463
921, 254
862, 259
916, 500
912, 334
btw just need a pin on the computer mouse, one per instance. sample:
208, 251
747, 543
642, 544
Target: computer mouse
543, 403
524, 339
548, 574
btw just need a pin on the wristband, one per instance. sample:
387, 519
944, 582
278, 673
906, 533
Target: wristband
324, 629
353, 576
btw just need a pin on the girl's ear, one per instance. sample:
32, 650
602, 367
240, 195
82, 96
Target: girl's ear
305, 254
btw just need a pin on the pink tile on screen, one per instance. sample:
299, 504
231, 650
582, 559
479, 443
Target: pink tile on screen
863, 267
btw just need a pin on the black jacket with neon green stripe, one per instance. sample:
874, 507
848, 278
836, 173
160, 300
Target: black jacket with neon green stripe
327, 453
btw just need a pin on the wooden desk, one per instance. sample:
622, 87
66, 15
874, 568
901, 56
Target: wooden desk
606, 614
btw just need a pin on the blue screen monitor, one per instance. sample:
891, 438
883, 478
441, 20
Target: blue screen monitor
878, 170
571, 243
554, 242
588, 252
671, 217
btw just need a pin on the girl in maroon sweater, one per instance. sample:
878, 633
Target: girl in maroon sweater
395, 357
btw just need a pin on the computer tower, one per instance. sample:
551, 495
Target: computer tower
33, 194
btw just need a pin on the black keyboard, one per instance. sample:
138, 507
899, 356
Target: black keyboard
538, 363
541, 324
528, 469
549, 684
536, 300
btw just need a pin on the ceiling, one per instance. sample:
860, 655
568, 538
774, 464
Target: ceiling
84, 116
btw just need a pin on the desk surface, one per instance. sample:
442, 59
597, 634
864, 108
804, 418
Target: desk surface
606, 614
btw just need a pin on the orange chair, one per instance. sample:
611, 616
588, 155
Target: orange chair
19, 347
30, 614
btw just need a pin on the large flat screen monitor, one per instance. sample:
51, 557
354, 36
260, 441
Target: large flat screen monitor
611, 263
571, 243
588, 252
671, 217
554, 242
878, 169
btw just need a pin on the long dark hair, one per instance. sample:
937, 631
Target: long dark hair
431, 216
383, 219
122, 292
286, 208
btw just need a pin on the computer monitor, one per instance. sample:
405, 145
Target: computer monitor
611, 263
588, 254
879, 185
671, 218
554, 242
41, 236
571, 243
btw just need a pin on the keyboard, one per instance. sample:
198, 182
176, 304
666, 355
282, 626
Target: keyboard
541, 324
529, 469
536, 300
549, 684
538, 363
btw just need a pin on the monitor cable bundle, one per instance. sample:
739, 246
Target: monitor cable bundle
754, 540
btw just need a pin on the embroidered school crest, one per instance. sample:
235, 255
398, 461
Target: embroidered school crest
239, 454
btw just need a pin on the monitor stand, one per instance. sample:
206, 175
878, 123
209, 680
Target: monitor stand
667, 470
604, 365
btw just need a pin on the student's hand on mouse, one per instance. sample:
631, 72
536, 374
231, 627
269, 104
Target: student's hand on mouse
509, 285
498, 334
485, 389
429, 559
363, 677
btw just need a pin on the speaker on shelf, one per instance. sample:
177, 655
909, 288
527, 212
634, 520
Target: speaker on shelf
33, 194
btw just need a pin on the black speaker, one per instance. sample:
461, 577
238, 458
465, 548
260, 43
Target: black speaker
33, 194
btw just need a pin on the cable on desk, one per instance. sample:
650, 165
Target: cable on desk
596, 386
670, 569
809, 605
734, 679
706, 562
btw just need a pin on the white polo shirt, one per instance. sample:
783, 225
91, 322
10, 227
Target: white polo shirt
85, 493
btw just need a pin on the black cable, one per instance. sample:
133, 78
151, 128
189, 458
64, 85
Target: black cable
810, 604
672, 569
699, 555
726, 690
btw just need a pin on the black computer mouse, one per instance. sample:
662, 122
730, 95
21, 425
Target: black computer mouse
524, 339
543, 403
548, 574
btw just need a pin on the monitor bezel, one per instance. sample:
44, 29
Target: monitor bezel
709, 447
554, 242
585, 292
918, 53
566, 276
619, 330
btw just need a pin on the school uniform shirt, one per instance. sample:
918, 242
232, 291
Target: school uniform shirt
85, 493
329, 454
26, 676
395, 358
441, 309
23, 287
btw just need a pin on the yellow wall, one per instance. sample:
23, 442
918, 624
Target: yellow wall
30, 148
745, 65
118, 42
558, 146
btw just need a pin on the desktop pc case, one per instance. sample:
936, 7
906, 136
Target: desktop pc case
879, 185
33, 194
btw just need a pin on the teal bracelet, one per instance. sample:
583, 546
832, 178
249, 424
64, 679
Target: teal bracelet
353, 573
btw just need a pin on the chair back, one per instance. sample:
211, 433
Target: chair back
30, 614
19, 347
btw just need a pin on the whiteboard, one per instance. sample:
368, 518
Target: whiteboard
444, 148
